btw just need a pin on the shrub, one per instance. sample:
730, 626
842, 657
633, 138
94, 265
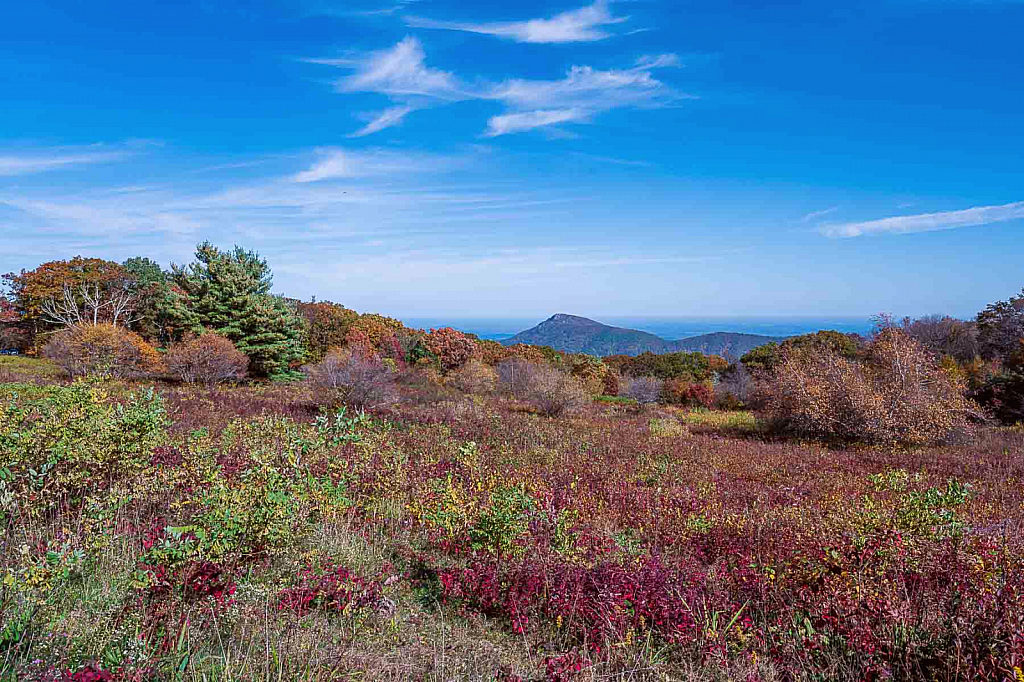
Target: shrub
207, 359
1003, 393
1000, 326
768, 356
735, 387
549, 391
326, 326
612, 382
355, 378
897, 395
451, 347
689, 393
590, 371
690, 366
70, 438
104, 350
555, 394
490, 352
516, 376
644, 390
474, 377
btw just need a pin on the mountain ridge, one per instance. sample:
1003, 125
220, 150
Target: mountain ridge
575, 334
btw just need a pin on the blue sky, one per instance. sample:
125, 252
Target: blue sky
497, 159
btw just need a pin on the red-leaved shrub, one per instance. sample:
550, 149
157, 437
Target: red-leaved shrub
208, 359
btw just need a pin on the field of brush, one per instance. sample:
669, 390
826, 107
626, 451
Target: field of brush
247, 533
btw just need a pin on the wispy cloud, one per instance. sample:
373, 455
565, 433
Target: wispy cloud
529, 120
581, 95
343, 163
401, 73
39, 161
580, 25
612, 160
814, 215
380, 120
927, 222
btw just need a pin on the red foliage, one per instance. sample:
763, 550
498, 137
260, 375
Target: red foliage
90, 673
207, 359
451, 347
337, 590
689, 393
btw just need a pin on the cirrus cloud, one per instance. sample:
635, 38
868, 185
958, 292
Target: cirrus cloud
574, 26
402, 74
929, 222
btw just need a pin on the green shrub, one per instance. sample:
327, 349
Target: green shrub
63, 439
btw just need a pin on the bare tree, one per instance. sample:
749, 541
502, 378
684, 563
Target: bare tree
644, 390
91, 304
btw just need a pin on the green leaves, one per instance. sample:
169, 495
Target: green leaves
228, 292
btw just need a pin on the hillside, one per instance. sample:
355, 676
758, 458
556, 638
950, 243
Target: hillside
574, 334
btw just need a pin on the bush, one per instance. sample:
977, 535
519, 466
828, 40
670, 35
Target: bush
474, 377
689, 393
549, 391
207, 359
735, 387
897, 395
67, 439
644, 390
103, 350
517, 376
451, 347
355, 378
1003, 394
555, 394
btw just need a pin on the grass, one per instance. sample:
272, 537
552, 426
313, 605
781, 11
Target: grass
738, 422
494, 544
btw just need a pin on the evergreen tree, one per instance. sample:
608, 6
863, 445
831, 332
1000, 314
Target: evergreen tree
228, 292
150, 284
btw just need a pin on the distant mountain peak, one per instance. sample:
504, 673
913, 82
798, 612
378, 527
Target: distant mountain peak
565, 317
576, 334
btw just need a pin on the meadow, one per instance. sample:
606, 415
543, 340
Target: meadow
156, 531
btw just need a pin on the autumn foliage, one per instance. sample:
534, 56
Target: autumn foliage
103, 350
897, 395
207, 359
326, 326
451, 347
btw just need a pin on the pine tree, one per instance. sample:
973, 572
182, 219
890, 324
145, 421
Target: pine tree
228, 292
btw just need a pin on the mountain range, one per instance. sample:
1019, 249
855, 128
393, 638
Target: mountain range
574, 334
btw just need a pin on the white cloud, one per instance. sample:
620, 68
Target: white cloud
580, 25
401, 72
529, 120
927, 222
402, 75
39, 162
814, 215
343, 163
581, 95
383, 119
